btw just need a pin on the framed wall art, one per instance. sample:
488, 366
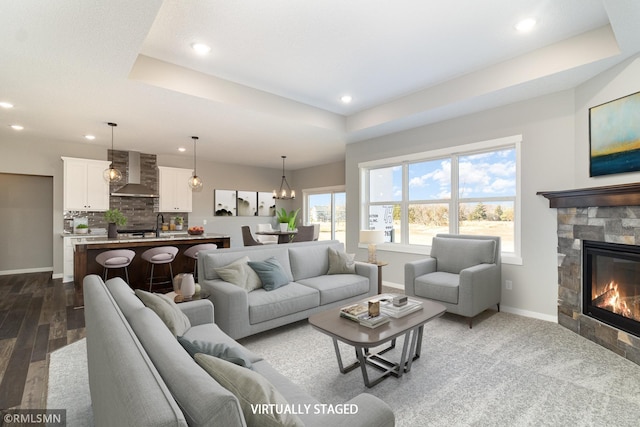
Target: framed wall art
247, 203
266, 204
224, 202
614, 136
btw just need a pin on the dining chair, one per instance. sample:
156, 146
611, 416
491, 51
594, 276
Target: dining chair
305, 233
264, 239
247, 237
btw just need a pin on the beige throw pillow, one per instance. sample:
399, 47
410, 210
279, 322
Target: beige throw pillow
177, 322
341, 262
252, 391
240, 274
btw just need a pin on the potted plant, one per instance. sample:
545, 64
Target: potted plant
179, 222
114, 218
82, 229
287, 220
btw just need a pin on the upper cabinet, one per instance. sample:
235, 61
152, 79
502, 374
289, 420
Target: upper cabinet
85, 189
175, 193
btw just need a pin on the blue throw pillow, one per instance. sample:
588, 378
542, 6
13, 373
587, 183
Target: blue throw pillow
220, 350
270, 272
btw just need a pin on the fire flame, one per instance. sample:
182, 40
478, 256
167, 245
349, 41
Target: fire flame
611, 301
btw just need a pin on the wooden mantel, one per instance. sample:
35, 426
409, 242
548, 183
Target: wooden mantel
613, 195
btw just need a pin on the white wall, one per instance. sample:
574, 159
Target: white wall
547, 128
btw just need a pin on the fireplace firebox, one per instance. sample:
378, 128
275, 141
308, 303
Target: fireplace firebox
611, 284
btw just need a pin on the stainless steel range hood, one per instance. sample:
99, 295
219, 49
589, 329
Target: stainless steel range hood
133, 188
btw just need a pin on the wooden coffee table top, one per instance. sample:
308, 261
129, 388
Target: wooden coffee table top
348, 331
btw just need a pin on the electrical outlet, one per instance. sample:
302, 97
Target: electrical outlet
204, 222
508, 284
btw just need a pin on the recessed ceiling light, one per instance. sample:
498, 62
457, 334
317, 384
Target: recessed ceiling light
525, 25
346, 99
201, 48
90, 137
6, 105
17, 127
182, 149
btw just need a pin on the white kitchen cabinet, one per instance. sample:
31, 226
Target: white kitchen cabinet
175, 193
67, 269
85, 189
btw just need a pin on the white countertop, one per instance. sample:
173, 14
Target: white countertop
88, 239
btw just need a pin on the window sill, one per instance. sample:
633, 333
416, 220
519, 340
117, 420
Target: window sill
507, 257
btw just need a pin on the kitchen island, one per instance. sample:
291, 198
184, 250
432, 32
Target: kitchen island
86, 250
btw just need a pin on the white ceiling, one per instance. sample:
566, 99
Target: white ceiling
272, 83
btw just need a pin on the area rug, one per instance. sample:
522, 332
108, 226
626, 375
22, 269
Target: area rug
506, 371
69, 383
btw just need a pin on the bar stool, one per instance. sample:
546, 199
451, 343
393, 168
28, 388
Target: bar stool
192, 253
157, 256
118, 258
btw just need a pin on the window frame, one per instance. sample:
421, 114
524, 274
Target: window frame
514, 141
323, 190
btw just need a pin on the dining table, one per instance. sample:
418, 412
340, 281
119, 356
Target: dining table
283, 236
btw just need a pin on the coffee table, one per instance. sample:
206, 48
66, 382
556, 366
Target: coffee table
363, 339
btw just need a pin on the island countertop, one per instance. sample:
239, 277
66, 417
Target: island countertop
87, 248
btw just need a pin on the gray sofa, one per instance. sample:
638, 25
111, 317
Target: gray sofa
139, 375
463, 273
241, 313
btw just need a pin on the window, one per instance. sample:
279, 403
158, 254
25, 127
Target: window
473, 189
327, 208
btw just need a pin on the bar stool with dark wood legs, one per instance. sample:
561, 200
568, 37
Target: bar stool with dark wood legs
118, 258
192, 253
160, 255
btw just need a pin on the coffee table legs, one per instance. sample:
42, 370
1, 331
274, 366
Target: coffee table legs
410, 352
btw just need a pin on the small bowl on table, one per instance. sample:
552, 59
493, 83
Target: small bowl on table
195, 232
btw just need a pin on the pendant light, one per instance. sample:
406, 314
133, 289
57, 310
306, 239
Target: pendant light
195, 182
112, 174
281, 194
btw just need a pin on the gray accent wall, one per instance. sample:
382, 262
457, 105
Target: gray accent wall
26, 215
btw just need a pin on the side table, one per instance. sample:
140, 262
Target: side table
380, 264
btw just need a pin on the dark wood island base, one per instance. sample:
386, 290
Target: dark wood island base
84, 257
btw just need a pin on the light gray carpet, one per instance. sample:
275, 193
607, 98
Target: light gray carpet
506, 371
69, 383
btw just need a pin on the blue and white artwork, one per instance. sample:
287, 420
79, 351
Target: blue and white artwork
615, 136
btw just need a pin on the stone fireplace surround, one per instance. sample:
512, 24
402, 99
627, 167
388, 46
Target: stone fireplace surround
604, 214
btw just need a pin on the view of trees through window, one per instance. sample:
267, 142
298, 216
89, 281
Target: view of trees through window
461, 194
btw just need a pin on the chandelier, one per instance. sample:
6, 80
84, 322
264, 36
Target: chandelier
281, 194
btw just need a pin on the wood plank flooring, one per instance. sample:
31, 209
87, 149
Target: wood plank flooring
37, 316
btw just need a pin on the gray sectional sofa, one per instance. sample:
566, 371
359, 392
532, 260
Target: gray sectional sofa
240, 313
139, 375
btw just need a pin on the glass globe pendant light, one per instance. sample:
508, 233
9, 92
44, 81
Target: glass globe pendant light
112, 174
195, 182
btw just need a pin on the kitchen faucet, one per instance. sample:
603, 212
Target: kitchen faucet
158, 227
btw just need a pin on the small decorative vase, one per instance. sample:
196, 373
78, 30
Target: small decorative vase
177, 282
188, 286
284, 226
112, 231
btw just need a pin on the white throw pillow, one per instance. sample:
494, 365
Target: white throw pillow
240, 274
177, 322
251, 389
341, 262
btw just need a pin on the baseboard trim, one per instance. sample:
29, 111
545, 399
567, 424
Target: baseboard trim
527, 313
505, 308
25, 270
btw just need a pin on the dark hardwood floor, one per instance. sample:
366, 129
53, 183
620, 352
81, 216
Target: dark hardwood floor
37, 316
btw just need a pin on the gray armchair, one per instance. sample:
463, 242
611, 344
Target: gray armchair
463, 273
